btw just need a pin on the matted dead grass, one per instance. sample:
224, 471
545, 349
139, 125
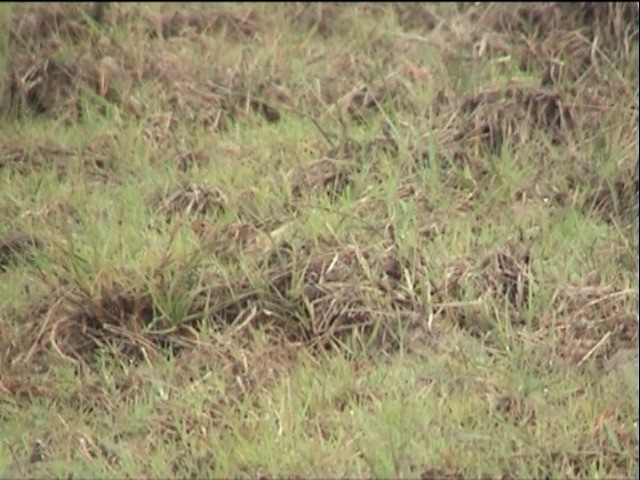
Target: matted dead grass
316, 298
310, 298
63, 52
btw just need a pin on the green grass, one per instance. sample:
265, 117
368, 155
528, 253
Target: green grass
401, 331
386, 419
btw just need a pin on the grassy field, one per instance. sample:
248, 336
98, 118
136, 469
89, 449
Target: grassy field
318, 240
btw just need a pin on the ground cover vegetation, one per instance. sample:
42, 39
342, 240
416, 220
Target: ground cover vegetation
314, 239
